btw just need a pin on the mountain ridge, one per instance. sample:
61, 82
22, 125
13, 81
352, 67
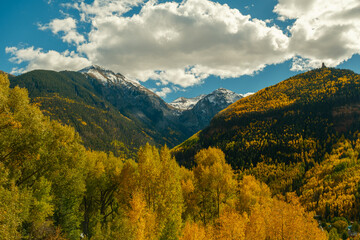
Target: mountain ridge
297, 119
183, 103
72, 99
99, 102
227, 96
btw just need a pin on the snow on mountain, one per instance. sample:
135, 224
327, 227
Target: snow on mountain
186, 103
109, 77
135, 101
185, 115
220, 97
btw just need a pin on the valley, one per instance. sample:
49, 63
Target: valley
288, 150
105, 108
180, 120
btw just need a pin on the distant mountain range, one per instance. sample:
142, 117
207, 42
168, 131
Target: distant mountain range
183, 103
117, 114
198, 115
220, 97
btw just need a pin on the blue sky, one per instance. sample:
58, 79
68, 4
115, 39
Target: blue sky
182, 48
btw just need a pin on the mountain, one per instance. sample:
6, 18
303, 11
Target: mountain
73, 99
138, 103
297, 120
106, 108
220, 98
186, 103
197, 117
109, 77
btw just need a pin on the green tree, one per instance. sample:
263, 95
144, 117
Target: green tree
333, 234
102, 182
43, 159
14, 207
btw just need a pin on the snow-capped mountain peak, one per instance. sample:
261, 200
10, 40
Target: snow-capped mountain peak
223, 96
107, 76
186, 103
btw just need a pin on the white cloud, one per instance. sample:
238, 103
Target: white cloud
247, 94
183, 43
104, 8
68, 27
182, 77
163, 92
51, 60
165, 40
326, 32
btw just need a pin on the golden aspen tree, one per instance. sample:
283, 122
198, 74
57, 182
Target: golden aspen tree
231, 225
14, 207
102, 182
170, 205
44, 159
290, 221
252, 192
149, 174
128, 183
142, 220
215, 183
191, 208
256, 225
194, 231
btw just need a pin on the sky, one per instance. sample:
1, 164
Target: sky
182, 48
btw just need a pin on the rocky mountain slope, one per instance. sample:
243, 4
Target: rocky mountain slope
197, 117
175, 121
136, 102
183, 103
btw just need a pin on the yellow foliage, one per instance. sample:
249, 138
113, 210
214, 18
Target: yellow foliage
231, 225
141, 218
332, 186
303, 87
290, 221
215, 183
252, 193
194, 231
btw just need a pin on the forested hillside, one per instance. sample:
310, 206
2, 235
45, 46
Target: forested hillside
297, 120
301, 136
75, 100
51, 187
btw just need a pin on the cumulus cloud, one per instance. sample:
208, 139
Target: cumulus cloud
68, 27
181, 44
323, 32
184, 42
163, 92
103, 8
52, 60
182, 77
